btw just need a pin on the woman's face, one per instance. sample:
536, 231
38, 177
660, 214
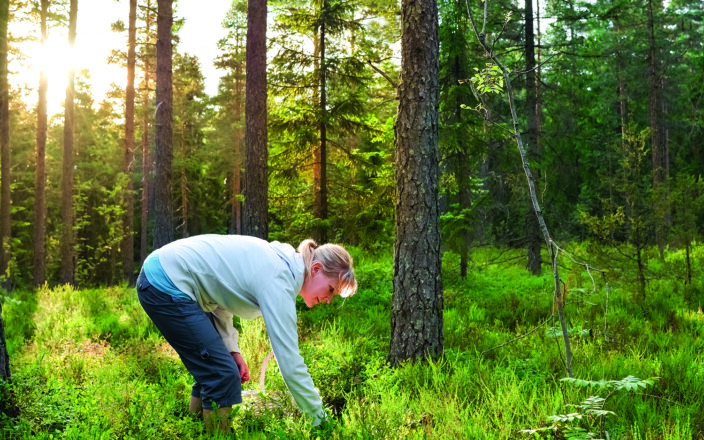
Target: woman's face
318, 287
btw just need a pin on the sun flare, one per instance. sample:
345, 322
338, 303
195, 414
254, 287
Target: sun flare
56, 59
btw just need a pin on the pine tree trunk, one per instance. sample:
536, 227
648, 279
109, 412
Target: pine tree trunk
689, 263
40, 171
163, 207
652, 73
128, 241
641, 270
532, 227
655, 132
256, 188
416, 319
320, 207
5, 196
67, 239
464, 173
146, 156
4, 178
236, 225
184, 184
4, 356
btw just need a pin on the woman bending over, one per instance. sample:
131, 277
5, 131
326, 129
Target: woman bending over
226, 275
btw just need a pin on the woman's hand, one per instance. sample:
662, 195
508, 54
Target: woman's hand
241, 364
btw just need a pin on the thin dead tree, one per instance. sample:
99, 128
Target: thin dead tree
559, 295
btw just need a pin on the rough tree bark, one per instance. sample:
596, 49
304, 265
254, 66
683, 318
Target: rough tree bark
146, 154
256, 188
40, 171
128, 241
532, 226
5, 197
163, 208
67, 240
416, 315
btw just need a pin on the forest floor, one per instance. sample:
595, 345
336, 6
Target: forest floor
90, 364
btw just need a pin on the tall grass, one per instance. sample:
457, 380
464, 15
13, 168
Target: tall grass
90, 364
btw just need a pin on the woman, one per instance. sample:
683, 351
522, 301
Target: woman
230, 275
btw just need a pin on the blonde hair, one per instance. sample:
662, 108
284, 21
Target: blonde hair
336, 263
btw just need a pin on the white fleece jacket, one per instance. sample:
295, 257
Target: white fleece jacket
248, 277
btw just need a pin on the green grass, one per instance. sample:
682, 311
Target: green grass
90, 364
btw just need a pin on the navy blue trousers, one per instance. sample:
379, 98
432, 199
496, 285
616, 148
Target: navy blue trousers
191, 333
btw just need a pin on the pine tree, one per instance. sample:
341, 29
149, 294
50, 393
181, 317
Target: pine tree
5, 195
256, 189
5, 176
322, 112
128, 242
163, 209
532, 226
40, 160
232, 60
461, 140
67, 239
147, 56
416, 320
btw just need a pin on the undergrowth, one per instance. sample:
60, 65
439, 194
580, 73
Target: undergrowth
90, 364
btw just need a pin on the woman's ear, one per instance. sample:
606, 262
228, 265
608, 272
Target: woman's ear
315, 267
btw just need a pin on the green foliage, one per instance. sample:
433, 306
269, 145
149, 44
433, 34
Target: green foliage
89, 363
488, 80
592, 408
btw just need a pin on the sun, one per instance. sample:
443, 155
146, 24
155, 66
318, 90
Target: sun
55, 58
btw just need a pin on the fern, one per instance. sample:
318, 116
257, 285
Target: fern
629, 383
564, 418
591, 408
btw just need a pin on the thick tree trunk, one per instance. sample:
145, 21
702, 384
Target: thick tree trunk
416, 315
146, 155
128, 241
67, 239
163, 207
5, 197
320, 206
40, 172
532, 227
256, 188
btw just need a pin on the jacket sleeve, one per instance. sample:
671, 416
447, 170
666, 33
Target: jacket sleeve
279, 312
228, 333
